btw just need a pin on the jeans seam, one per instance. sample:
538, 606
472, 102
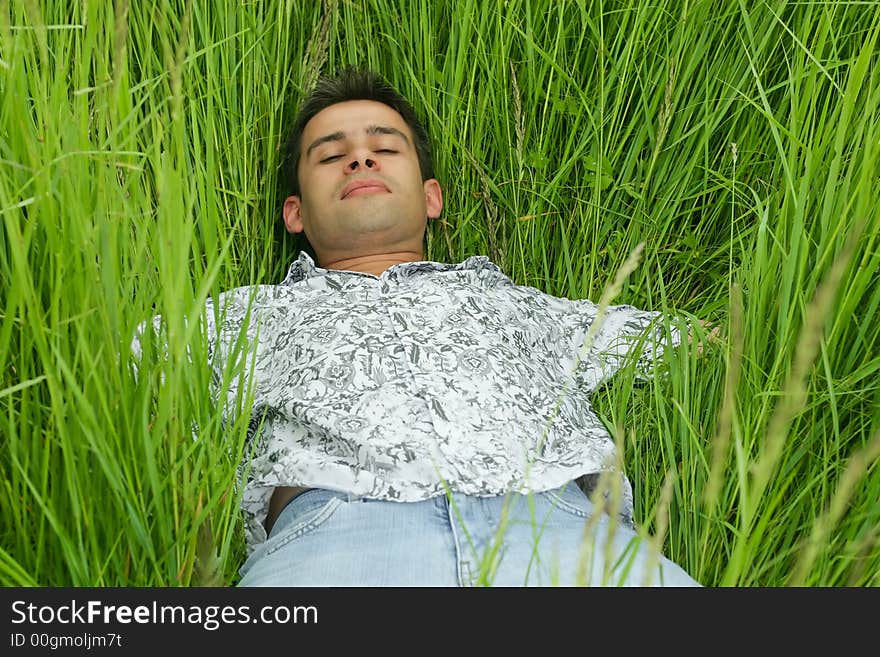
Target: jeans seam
462, 567
300, 529
567, 506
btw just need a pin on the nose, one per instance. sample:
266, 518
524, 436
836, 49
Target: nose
355, 165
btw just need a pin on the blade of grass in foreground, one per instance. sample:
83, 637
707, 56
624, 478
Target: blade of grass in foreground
137, 176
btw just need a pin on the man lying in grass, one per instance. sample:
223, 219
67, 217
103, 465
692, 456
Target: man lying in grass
421, 423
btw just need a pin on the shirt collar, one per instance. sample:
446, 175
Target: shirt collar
304, 267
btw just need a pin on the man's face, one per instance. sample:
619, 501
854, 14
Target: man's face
361, 187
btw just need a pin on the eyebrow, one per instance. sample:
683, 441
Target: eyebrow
371, 130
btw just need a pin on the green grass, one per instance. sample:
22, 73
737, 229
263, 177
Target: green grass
738, 141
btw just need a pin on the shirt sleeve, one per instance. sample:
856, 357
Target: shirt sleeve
143, 336
627, 333
623, 334
158, 340
150, 347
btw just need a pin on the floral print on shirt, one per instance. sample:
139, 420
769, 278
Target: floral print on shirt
431, 375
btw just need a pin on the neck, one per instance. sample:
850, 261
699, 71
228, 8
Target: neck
373, 264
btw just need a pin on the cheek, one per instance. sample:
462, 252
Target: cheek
315, 193
414, 181
314, 178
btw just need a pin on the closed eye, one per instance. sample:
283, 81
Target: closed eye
330, 158
386, 150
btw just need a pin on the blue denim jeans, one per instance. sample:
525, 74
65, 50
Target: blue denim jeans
326, 538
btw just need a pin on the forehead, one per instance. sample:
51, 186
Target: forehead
352, 117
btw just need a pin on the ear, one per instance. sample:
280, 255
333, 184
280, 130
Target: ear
292, 212
433, 198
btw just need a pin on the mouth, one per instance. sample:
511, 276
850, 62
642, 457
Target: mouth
361, 187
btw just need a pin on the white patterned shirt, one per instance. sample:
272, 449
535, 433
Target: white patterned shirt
430, 375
